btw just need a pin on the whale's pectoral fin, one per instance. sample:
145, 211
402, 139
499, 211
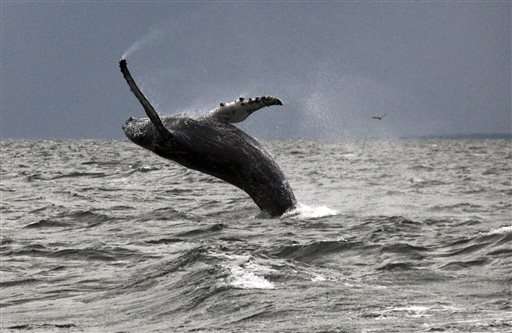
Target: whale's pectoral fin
148, 108
239, 110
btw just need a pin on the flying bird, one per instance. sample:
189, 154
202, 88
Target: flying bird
379, 117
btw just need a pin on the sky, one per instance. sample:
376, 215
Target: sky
434, 68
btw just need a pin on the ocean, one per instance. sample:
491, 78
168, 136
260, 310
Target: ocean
411, 235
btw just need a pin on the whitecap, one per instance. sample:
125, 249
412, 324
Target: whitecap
244, 278
501, 230
318, 278
244, 273
417, 310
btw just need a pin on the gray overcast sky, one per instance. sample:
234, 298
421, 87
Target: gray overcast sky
432, 67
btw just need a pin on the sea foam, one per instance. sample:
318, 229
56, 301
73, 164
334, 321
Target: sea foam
303, 211
245, 278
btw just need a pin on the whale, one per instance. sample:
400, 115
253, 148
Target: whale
211, 144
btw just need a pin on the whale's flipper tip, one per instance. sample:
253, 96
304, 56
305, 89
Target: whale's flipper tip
148, 108
271, 100
123, 64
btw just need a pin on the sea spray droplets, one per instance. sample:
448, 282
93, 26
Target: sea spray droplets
151, 36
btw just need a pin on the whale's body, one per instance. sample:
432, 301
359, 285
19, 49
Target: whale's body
212, 145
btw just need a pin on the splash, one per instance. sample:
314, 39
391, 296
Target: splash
501, 230
244, 273
303, 211
244, 278
151, 36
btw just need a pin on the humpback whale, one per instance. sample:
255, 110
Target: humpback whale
212, 145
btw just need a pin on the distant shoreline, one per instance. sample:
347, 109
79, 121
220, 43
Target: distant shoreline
506, 136
475, 136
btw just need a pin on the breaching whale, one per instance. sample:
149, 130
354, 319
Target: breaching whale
212, 145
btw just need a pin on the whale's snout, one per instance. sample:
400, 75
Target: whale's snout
127, 123
139, 131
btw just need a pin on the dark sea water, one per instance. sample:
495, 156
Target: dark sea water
390, 236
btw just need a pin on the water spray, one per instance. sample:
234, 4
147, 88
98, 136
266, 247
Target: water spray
152, 36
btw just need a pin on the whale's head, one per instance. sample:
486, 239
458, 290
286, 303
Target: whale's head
141, 132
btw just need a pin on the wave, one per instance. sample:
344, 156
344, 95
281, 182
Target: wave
392, 266
164, 241
489, 248
73, 219
74, 174
458, 265
502, 230
198, 232
415, 311
102, 162
417, 182
310, 252
149, 275
87, 254
244, 272
166, 214
47, 224
462, 206
43, 327
10, 283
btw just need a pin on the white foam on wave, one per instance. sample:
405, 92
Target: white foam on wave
303, 211
411, 310
416, 311
244, 278
318, 277
244, 273
502, 230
